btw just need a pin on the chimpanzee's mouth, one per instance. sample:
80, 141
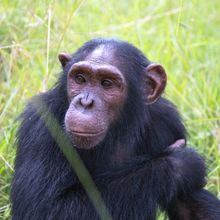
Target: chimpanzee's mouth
87, 133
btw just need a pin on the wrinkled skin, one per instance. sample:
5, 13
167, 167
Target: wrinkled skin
96, 91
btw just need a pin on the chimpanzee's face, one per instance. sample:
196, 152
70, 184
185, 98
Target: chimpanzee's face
96, 91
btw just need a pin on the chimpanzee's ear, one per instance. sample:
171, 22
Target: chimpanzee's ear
154, 83
64, 58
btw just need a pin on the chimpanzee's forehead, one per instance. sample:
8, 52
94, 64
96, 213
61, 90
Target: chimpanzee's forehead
103, 54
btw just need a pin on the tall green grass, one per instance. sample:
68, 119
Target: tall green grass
182, 35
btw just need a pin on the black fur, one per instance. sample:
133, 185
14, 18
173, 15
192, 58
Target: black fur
45, 186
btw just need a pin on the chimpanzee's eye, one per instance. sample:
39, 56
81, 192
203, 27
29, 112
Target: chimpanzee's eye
80, 79
106, 83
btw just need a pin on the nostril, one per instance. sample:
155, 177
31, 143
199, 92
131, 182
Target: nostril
86, 102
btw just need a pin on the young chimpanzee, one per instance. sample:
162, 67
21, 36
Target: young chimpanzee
108, 99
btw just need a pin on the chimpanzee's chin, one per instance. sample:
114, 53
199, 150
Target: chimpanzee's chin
86, 143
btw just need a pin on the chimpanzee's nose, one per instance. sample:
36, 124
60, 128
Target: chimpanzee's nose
86, 102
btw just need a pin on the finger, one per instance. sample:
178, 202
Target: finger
179, 143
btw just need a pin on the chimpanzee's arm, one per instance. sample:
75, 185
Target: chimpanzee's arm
200, 205
160, 180
178, 172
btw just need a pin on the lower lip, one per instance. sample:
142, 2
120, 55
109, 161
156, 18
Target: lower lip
84, 134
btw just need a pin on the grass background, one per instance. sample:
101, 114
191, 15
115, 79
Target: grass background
182, 35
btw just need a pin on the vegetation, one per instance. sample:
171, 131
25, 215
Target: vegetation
182, 35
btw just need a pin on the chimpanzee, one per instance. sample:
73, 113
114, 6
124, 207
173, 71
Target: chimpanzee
107, 101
